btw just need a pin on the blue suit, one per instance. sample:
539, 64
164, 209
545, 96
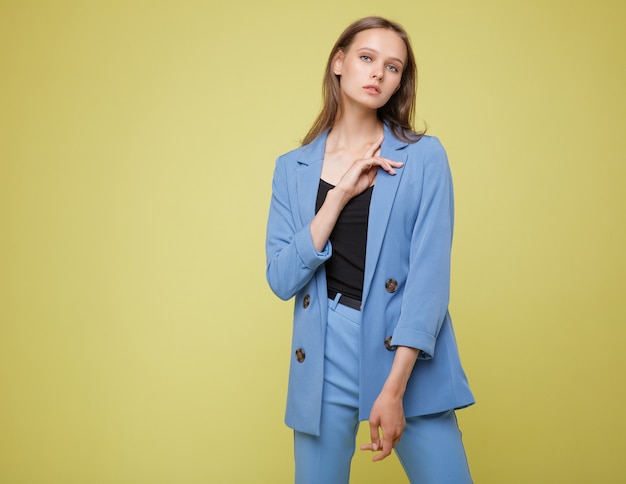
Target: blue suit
406, 281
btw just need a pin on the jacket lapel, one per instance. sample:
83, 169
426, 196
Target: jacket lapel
308, 178
380, 206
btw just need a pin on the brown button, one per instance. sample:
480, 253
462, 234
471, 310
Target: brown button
306, 301
391, 285
388, 344
300, 355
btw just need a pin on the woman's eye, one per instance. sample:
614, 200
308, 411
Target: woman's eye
392, 68
366, 58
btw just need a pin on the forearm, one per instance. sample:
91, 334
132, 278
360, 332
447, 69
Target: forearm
401, 369
324, 221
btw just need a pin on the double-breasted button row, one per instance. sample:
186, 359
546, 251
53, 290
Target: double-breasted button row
388, 344
300, 355
391, 285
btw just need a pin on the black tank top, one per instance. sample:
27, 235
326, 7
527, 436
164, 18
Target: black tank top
345, 268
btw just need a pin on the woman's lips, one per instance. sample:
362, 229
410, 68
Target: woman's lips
372, 89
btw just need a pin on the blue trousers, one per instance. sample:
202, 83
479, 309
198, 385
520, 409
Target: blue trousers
430, 450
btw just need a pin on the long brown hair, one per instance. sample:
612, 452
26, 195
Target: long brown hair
399, 111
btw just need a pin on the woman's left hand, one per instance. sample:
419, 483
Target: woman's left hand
387, 416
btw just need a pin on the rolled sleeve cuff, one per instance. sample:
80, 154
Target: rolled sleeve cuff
304, 245
415, 339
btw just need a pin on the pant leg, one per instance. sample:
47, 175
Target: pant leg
431, 450
325, 459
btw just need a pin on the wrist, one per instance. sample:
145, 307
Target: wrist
394, 389
401, 370
339, 196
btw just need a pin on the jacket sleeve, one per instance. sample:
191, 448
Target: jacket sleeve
427, 291
290, 254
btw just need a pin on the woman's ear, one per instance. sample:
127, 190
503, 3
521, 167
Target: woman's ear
338, 63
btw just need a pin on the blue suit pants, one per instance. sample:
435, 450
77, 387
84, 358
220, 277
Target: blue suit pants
430, 450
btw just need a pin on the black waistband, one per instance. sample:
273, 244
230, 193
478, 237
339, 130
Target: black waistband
345, 300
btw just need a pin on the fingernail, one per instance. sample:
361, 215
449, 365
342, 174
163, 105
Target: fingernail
375, 447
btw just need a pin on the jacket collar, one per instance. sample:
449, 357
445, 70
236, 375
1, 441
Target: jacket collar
314, 151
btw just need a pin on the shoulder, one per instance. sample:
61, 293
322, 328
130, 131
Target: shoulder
286, 163
427, 154
293, 154
305, 154
291, 159
425, 146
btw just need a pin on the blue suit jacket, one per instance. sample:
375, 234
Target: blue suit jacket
409, 240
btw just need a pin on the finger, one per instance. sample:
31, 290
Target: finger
389, 165
387, 447
372, 149
375, 436
395, 164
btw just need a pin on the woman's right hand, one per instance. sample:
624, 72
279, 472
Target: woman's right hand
362, 173
359, 177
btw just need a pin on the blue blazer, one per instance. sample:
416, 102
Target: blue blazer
406, 283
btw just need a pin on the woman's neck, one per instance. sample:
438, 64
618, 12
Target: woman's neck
353, 131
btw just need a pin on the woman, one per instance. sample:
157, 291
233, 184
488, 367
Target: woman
359, 231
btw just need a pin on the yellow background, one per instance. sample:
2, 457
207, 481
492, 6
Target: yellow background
139, 342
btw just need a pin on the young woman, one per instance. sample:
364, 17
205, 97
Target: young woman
359, 231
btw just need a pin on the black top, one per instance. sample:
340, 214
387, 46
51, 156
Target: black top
345, 268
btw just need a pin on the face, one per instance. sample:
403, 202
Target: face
371, 68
